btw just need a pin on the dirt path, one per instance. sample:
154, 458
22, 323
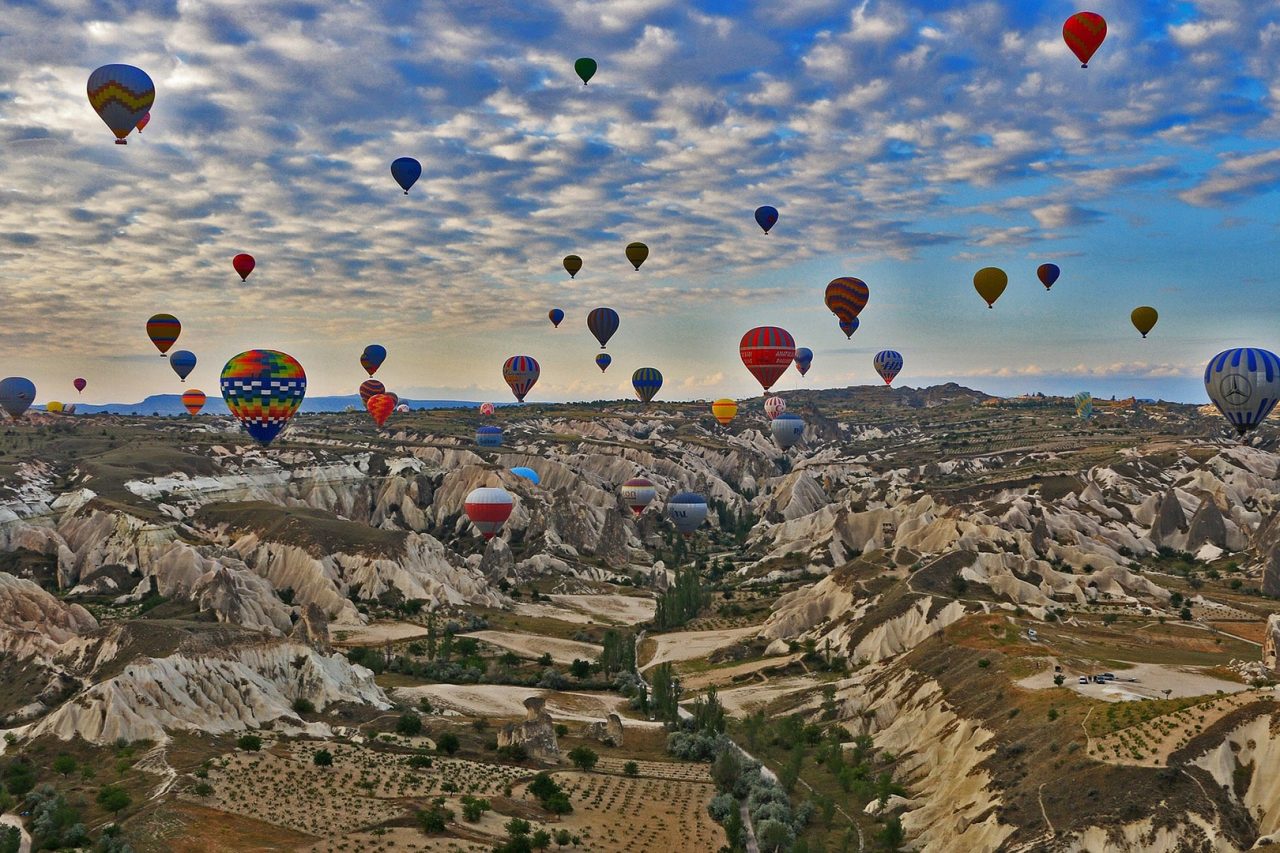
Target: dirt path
687, 645
752, 846
492, 700
533, 647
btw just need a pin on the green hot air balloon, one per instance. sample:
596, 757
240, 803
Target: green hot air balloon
636, 253
586, 68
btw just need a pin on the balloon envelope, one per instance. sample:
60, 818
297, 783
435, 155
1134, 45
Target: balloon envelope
163, 329
572, 263
846, 297
804, 359
193, 400
646, 381
774, 406
766, 217
369, 389
1144, 318
687, 511
555, 315
372, 357
406, 171
121, 95
521, 372
80, 384
990, 282
849, 327
489, 436
143, 122
263, 389
1084, 405
243, 265
585, 68
488, 509
787, 430
637, 493
16, 395
767, 351
603, 322
486, 409
724, 410
528, 473
603, 360
53, 407
636, 253
380, 407
1048, 274
1244, 383
887, 364
183, 362
1084, 32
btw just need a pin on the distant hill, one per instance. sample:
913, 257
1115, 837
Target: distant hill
171, 404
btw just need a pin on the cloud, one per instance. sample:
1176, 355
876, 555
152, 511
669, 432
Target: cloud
1236, 177
1064, 215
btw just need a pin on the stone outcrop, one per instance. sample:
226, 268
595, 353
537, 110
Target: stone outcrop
608, 731
536, 733
1271, 644
312, 628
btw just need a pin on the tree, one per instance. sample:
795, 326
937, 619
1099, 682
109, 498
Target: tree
113, 798
545, 660
541, 840
517, 827
249, 743
774, 836
583, 757
580, 668
1185, 614
1059, 679
434, 817
322, 758
409, 724
447, 743
419, 762
890, 837
202, 789
473, 808
563, 837
631, 769
303, 705
726, 769
64, 764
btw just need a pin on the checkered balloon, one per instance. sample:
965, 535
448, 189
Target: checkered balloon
263, 389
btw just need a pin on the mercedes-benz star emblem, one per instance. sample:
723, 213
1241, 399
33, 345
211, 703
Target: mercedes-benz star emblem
1235, 389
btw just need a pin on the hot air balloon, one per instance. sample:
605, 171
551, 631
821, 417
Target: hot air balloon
804, 359
69, 409
603, 360
243, 265
143, 122
488, 509
263, 389
53, 407
1244, 383
372, 357
406, 171
183, 362
766, 217
163, 329
767, 352
990, 282
528, 473
585, 68
787, 430
638, 493
1083, 32
646, 381
636, 253
687, 511
489, 436
846, 297
395, 398
193, 399
121, 95
1144, 318
572, 263
849, 327
774, 406
521, 373
486, 409
80, 385
603, 322
1084, 405
380, 407
403, 408
1048, 274
16, 395
887, 364
369, 389
555, 315
724, 410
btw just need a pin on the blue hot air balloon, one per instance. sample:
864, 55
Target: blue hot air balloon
849, 327
887, 363
555, 315
804, 359
646, 381
16, 395
372, 357
121, 95
406, 171
766, 217
603, 322
603, 360
183, 362
489, 436
528, 473
1244, 383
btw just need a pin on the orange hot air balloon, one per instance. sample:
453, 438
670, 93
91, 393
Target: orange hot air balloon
724, 410
1083, 32
193, 400
381, 406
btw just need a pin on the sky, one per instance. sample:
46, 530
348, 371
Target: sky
906, 143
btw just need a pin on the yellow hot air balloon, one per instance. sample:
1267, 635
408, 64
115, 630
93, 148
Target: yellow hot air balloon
724, 410
1144, 318
990, 282
54, 406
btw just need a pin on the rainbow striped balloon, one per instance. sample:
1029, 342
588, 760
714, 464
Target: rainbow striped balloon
163, 329
521, 372
846, 297
263, 388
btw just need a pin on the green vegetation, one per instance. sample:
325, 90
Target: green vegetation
249, 743
682, 602
549, 793
583, 757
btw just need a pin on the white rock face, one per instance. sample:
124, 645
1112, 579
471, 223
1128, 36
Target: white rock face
33, 623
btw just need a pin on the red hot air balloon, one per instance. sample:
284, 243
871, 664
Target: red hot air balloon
381, 406
194, 400
1083, 32
144, 121
488, 509
486, 409
80, 385
369, 389
244, 265
767, 352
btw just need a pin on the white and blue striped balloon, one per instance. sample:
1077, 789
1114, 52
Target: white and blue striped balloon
887, 364
1244, 383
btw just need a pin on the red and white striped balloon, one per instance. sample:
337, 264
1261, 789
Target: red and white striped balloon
489, 509
774, 406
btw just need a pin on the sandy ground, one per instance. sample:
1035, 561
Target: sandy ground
1157, 744
529, 646
726, 675
375, 634
492, 700
592, 609
687, 645
1152, 681
745, 700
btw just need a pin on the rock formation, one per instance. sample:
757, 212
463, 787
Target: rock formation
536, 733
607, 731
